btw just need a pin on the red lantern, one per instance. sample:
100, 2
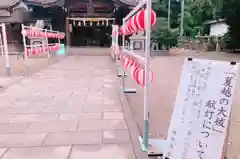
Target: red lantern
140, 19
49, 35
62, 35
120, 30
135, 25
123, 59
37, 33
33, 33
133, 69
126, 62
132, 62
129, 26
132, 25
42, 34
125, 32
29, 33
140, 77
24, 32
35, 51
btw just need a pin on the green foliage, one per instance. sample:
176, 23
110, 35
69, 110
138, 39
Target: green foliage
166, 37
196, 12
231, 12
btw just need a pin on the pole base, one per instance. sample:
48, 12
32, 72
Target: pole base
155, 148
121, 73
8, 71
128, 90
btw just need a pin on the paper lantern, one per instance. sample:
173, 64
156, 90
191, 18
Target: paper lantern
123, 59
32, 33
120, 30
49, 35
24, 32
62, 35
140, 77
126, 62
133, 24
37, 33
29, 33
133, 69
123, 30
129, 26
140, 19
42, 34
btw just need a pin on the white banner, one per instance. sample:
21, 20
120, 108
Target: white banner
202, 109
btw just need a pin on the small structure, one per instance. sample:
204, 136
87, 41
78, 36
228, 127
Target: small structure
13, 13
217, 27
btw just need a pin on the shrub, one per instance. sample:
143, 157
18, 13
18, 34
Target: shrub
166, 37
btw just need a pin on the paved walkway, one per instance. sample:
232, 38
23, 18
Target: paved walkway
67, 111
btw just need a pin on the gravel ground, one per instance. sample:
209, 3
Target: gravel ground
163, 91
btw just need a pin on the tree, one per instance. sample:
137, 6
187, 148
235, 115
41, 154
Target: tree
196, 13
230, 12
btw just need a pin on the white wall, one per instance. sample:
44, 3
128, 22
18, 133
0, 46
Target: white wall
218, 29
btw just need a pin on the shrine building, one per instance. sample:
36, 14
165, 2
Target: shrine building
86, 22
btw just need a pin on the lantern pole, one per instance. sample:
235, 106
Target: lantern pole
5, 47
147, 64
157, 145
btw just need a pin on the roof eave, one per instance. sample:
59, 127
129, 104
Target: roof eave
123, 2
46, 5
10, 6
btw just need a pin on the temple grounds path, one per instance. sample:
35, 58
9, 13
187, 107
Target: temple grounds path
69, 110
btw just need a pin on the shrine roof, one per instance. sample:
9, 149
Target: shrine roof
46, 3
61, 2
129, 2
8, 3
41, 1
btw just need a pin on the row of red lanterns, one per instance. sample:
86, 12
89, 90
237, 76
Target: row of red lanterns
137, 72
37, 51
36, 33
137, 23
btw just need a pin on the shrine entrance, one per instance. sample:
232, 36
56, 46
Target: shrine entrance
90, 31
89, 22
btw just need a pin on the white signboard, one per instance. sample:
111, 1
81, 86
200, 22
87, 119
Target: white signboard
202, 109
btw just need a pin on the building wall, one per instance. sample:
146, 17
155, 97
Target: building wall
218, 29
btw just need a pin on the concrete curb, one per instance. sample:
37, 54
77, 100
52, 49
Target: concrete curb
132, 127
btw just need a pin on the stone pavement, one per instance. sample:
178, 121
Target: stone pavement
70, 110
